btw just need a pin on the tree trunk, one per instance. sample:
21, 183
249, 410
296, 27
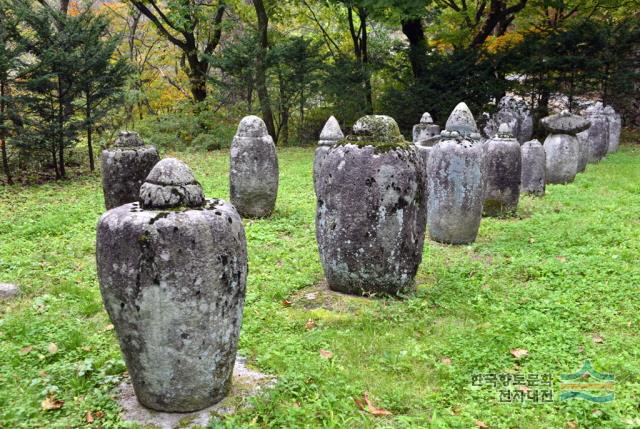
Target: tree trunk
261, 67
412, 28
64, 6
92, 166
365, 61
55, 161
61, 106
197, 73
3, 142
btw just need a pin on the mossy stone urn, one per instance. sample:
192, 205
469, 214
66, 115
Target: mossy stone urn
370, 217
124, 166
456, 180
503, 160
172, 270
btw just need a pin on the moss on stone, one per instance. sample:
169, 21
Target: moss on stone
380, 132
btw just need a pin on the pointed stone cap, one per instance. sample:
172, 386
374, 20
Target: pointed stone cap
171, 184
128, 139
504, 131
330, 133
252, 126
565, 123
426, 118
461, 121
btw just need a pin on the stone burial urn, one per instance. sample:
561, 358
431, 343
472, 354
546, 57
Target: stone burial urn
598, 133
370, 217
456, 180
330, 135
426, 129
533, 165
253, 176
503, 161
173, 271
562, 146
124, 167
615, 128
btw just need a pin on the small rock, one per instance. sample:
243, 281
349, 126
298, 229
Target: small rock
8, 291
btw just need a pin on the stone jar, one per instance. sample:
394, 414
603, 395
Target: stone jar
598, 133
426, 129
173, 271
124, 167
562, 146
329, 136
615, 128
514, 112
583, 150
456, 182
253, 176
533, 168
370, 216
503, 161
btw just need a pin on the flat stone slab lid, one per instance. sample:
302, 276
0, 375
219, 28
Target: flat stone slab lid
128, 139
252, 126
331, 131
171, 184
565, 123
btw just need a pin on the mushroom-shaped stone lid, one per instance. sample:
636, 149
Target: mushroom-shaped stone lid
461, 121
128, 139
252, 126
379, 131
171, 184
330, 133
504, 131
565, 123
426, 118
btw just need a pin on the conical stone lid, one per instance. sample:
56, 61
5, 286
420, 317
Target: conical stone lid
331, 133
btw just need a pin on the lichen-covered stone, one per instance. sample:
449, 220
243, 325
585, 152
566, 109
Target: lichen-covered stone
329, 136
598, 133
533, 168
615, 128
171, 184
456, 182
426, 129
173, 283
562, 152
124, 168
8, 291
565, 123
503, 162
583, 150
370, 217
253, 176
515, 113
378, 131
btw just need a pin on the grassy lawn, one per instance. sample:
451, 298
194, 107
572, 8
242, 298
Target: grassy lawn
561, 281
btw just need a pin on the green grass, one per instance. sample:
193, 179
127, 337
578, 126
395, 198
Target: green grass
552, 281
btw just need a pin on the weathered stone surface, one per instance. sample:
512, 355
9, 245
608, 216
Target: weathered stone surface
615, 128
124, 168
533, 168
253, 176
583, 150
370, 217
171, 184
503, 162
8, 291
456, 183
426, 129
173, 283
246, 384
562, 152
598, 133
514, 112
329, 136
565, 123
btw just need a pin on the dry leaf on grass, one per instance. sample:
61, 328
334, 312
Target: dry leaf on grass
326, 354
26, 350
109, 327
562, 259
365, 404
524, 389
52, 348
598, 339
446, 360
310, 324
572, 425
51, 403
89, 417
286, 303
519, 353
481, 424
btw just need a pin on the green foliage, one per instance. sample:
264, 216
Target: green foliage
561, 274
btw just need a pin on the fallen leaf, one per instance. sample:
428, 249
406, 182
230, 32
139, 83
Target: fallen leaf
446, 360
286, 303
99, 414
43, 374
51, 403
52, 348
532, 240
523, 389
109, 327
310, 324
571, 424
89, 417
518, 353
596, 413
326, 354
561, 258
481, 424
580, 349
26, 350
365, 404
598, 339
628, 324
